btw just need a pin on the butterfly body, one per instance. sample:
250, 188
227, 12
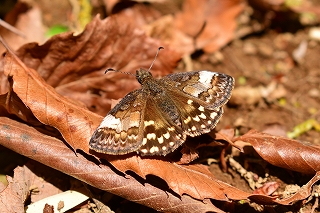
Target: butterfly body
156, 119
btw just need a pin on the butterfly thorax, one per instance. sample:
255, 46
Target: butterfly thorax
152, 87
149, 84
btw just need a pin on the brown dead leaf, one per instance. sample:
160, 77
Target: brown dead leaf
76, 125
13, 197
25, 183
267, 188
301, 194
205, 24
52, 152
210, 22
275, 129
49, 107
41, 187
283, 152
108, 43
28, 20
59, 66
188, 155
194, 180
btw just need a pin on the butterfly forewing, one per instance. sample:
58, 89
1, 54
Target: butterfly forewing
213, 88
119, 131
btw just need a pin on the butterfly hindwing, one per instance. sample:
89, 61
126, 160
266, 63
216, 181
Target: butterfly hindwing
161, 133
199, 96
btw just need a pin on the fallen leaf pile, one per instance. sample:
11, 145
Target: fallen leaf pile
53, 96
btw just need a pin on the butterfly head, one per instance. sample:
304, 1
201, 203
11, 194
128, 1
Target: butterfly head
143, 75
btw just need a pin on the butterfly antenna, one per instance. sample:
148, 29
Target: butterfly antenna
113, 70
155, 57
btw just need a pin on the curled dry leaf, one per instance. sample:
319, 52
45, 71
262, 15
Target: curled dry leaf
301, 194
76, 124
81, 68
267, 188
75, 65
194, 180
284, 152
49, 107
52, 152
17, 191
204, 24
210, 22
27, 19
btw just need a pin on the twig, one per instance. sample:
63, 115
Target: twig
12, 28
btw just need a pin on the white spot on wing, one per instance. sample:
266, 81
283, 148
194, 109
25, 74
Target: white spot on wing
187, 120
203, 116
196, 118
205, 77
148, 123
144, 151
151, 136
111, 122
192, 90
160, 140
167, 135
213, 115
144, 141
154, 149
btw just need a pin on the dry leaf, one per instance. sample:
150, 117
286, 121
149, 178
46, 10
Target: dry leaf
284, 152
302, 194
76, 124
54, 153
75, 65
205, 24
28, 20
13, 197
211, 23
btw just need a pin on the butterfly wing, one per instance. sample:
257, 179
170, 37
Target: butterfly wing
161, 134
199, 96
205, 86
137, 123
120, 131
183, 104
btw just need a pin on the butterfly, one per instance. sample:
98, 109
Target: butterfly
156, 119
